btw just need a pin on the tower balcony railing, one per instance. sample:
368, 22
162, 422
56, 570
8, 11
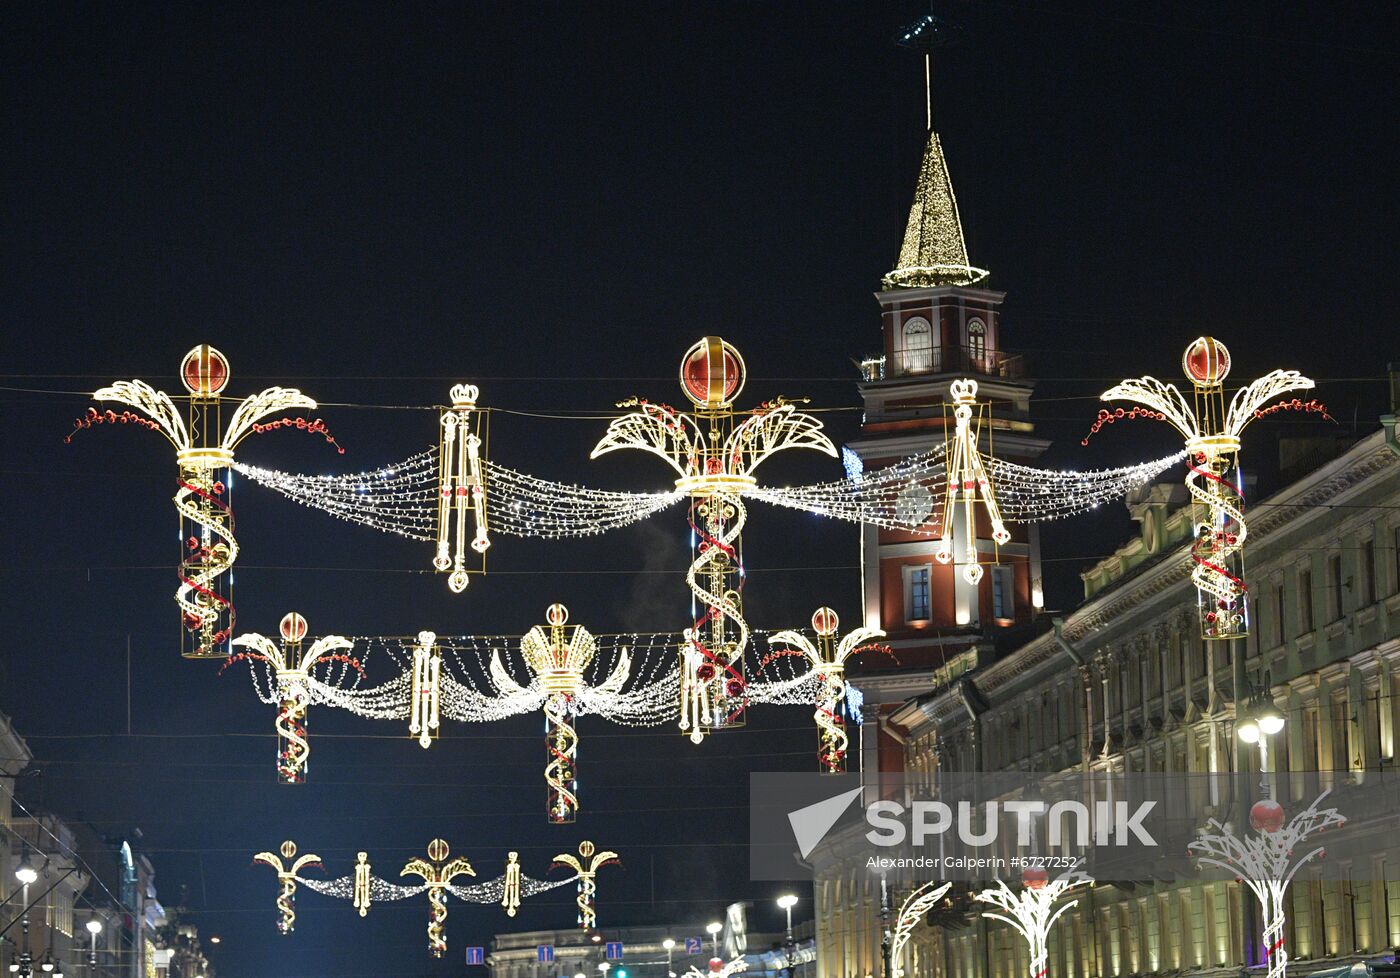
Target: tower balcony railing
943, 360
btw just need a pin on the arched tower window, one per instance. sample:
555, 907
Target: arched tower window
918, 345
977, 344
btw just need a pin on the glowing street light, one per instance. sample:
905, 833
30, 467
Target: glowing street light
713, 928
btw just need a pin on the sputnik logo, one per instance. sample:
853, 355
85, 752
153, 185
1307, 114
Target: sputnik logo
811, 824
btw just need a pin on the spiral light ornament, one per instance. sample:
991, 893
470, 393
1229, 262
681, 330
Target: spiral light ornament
585, 865
437, 873
287, 880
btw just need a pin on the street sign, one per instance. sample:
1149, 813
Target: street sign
476, 955
613, 950
544, 953
694, 945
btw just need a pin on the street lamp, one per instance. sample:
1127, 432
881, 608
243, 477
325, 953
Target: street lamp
25, 871
94, 927
1260, 721
713, 928
669, 944
787, 901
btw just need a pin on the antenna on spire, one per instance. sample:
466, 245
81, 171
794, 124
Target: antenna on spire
925, 35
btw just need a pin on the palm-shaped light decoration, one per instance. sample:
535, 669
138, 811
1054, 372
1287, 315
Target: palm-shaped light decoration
1265, 862
287, 876
1212, 430
714, 456
557, 656
204, 451
719, 968
968, 484
295, 687
911, 911
1033, 910
827, 659
585, 865
437, 872
461, 487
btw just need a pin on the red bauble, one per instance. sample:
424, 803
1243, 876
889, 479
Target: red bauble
705, 672
734, 688
293, 627
716, 965
1206, 361
204, 371
712, 373
1035, 878
1266, 816
825, 622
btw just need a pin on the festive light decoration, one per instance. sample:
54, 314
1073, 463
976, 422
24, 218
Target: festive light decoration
911, 911
295, 687
436, 873
557, 658
1266, 862
287, 880
461, 487
714, 457
364, 891
425, 698
1032, 911
585, 865
204, 451
827, 658
1212, 431
510, 889
968, 477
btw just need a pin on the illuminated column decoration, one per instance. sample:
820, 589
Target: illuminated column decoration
827, 659
461, 488
558, 656
911, 911
1265, 862
436, 872
714, 454
510, 885
425, 696
1212, 432
287, 877
204, 452
585, 865
364, 888
1032, 912
968, 483
291, 668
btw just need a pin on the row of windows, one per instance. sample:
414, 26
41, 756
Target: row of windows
918, 605
917, 351
1341, 592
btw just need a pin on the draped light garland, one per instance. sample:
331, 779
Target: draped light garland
1033, 911
287, 880
714, 455
204, 450
827, 661
1212, 431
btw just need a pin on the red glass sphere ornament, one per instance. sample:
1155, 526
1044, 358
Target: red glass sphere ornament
1034, 878
293, 627
1266, 816
705, 672
204, 371
556, 614
1206, 361
825, 622
716, 965
734, 688
712, 373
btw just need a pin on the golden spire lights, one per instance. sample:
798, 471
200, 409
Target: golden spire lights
291, 670
585, 865
461, 487
714, 456
287, 878
1212, 430
204, 455
437, 873
969, 482
827, 659
934, 252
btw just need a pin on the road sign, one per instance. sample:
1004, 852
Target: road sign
613, 950
694, 945
476, 955
544, 953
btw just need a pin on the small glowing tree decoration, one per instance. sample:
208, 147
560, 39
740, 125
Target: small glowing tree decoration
557, 659
461, 487
287, 877
827, 659
291, 670
714, 456
425, 693
585, 865
1266, 861
437, 873
1032, 911
204, 452
911, 911
1212, 431
969, 483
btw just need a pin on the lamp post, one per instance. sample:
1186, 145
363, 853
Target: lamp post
670, 945
713, 928
26, 874
1261, 720
787, 901
94, 927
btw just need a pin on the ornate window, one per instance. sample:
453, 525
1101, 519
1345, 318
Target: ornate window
917, 594
918, 345
977, 343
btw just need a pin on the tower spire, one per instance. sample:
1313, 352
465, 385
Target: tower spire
934, 252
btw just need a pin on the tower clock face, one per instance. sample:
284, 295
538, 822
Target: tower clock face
913, 505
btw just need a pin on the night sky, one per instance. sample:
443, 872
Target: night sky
373, 202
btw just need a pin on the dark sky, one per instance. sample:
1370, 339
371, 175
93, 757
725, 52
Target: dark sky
374, 201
